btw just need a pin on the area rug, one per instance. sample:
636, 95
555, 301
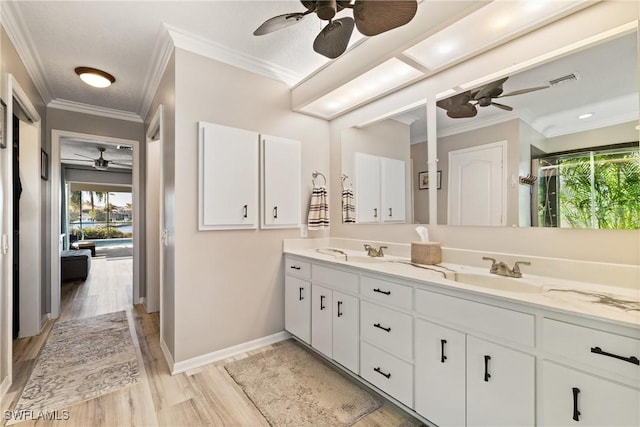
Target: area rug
82, 359
290, 386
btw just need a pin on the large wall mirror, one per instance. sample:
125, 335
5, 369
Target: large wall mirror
553, 146
381, 165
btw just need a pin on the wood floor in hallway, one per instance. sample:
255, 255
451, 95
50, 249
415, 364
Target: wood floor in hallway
205, 396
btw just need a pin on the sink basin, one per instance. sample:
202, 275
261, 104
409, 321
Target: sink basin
492, 281
366, 259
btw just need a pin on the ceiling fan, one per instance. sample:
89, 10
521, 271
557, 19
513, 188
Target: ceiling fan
464, 105
370, 17
101, 163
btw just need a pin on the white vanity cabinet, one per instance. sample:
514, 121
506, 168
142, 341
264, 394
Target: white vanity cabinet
297, 299
380, 189
280, 182
228, 176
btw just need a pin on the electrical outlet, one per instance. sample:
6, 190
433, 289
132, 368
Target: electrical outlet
303, 231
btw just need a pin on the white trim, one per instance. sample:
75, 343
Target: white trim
160, 58
167, 355
54, 178
44, 320
215, 356
196, 44
79, 107
4, 387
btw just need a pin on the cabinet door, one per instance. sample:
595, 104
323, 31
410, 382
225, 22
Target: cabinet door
297, 308
367, 191
393, 190
440, 374
228, 190
281, 182
573, 398
321, 318
345, 330
500, 385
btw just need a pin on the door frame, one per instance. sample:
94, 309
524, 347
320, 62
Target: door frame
56, 206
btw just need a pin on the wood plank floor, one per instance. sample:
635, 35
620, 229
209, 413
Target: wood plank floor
206, 396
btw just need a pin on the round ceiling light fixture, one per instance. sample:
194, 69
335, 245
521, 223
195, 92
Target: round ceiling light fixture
94, 77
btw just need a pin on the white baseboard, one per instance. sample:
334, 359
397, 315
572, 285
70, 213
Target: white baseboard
167, 355
43, 321
4, 387
205, 359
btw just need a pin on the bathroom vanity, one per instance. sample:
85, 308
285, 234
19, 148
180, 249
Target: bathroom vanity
553, 352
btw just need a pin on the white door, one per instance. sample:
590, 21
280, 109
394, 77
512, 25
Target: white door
345, 330
477, 185
500, 385
228, 177
297, 308
393, 190
573, 398
440, 374
367, 188
153, 207
281, 182
321, 318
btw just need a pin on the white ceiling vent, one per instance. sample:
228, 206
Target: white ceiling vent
564, 79
125, 147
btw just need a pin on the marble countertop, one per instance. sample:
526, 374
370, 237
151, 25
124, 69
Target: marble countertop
601, 302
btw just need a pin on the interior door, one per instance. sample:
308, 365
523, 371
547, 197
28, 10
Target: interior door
477, 185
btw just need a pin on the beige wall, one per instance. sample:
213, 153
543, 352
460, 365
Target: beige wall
229, 285
420, 197
165, 96
616, 134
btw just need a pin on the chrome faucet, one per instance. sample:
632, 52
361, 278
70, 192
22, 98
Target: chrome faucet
502, 269
373, 252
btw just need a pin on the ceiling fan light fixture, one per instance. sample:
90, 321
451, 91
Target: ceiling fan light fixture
94, 77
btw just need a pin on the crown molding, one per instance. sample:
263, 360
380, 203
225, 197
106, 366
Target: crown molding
79, 107
160, 56
16, 29
202, 46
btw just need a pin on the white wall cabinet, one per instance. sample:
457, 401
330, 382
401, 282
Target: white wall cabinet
281, 182
380, 187
228, 191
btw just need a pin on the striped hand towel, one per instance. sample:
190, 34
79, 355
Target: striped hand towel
319, 209
348, 208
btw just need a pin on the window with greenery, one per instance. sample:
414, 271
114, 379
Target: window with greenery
591, 189
100, 215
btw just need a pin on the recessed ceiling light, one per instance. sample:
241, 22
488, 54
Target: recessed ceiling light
94, 77
585, 116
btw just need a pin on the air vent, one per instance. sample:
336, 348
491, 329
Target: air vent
564, 79
125, 147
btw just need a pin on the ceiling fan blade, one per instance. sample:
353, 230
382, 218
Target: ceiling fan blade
462, 111
502, 106
492, 89
82, 155
334, 38
120, 164
279, 22
375, 17
77, 160
521, 91
455, 100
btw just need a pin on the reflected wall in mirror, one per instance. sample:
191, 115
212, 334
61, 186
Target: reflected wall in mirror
380, 166
552, 146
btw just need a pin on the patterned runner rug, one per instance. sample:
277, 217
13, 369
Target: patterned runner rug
291, 386
82, 359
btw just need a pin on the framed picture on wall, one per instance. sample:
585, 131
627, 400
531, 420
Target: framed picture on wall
44, 165
3, 124
423, 180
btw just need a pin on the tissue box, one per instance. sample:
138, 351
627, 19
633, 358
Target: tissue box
426, 253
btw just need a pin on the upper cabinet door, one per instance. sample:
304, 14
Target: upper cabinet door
393, 190
280, 182
228, 177
367, 192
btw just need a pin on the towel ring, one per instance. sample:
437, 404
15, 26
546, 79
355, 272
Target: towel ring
315, 175
344, 179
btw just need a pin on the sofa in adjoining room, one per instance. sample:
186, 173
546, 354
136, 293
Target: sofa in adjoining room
75, 265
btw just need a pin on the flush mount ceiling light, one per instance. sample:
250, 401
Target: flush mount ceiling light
585, 116
94, 77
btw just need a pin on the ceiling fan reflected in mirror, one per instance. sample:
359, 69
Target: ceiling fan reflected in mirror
464, 105
370, 17
100, 163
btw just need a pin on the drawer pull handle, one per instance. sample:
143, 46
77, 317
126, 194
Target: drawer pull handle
487, 375
275, 212
339, 306
382, 292
442, 356
378, 370
375, 212
390, 211
322, 306
576, 413
631, 359
244, 211
295, 267
377, 325
301, 297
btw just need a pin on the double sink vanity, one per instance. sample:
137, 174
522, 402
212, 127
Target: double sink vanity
457, 345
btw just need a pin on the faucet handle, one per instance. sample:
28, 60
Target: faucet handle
380, 253
494, 263
516, 267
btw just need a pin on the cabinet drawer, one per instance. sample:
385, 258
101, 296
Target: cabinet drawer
387, 292
580, 344
388, 373
336, 279
499, 322
297, 268
388, 329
